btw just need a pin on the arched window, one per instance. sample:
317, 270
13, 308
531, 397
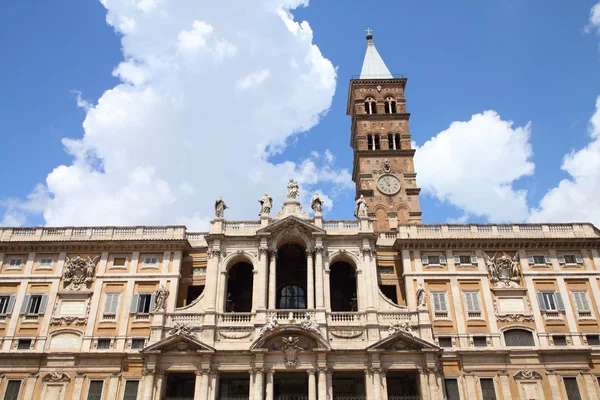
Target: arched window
342, 284
373, 142
370, 106
291, 297
393, 141
239, 288
518, 337
390, 105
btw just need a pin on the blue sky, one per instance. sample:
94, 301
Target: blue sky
529, 61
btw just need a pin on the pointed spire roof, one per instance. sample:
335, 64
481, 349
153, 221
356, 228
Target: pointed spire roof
373, 65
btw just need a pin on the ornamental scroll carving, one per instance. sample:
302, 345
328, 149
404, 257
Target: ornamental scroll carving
56, 377
79, 272
504, 271
527, 375
182, 329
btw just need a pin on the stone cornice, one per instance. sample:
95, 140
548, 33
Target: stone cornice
513, 243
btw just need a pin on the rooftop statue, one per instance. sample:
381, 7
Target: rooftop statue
316, 203
220, 207
293, 189
360, 209
266, 202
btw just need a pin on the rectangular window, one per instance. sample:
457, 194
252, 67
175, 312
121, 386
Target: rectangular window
111, 305
550, 301
151, 261
142, 303
433, 259
570, 259
24, 344
46, 262
451, 389
119, 261
559, 340
593, 340
95, 390
386, 270
34, 304
582, 304
538, 260
488, 391
479, 341
131, 390
12, 390
16, 263
6, 304
572, 389
472, 301
138, 343
440, 304
103, 344
445, 342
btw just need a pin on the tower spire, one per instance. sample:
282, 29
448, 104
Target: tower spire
373, 65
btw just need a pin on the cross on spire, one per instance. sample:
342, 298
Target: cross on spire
368, 30
369, 34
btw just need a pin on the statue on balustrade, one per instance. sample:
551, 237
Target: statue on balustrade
220, 207
293, 189
266, 202
160, 302
316, 203
360, 209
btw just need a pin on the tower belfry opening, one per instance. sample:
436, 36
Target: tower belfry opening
383, 170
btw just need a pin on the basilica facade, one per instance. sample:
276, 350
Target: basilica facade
295, 306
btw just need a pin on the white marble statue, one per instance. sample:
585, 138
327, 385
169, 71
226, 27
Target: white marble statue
266, 202
360, 209
220, 207
293, 189
316, 203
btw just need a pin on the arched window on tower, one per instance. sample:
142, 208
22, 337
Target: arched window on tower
394, 141
373, 142
370, 106
390, 105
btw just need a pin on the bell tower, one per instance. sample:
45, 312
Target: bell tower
383, 168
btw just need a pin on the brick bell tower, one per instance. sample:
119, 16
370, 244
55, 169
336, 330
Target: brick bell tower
383, 168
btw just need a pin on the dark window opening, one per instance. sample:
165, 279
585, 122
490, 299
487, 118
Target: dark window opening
518, 337
370, 106
290, 385
572, 389
12, 390
234, 385
180, 385
593, 340
570, 259
451, 389
24, 344
95, 390
397, 142
131, 390
559, 340
144, 301
376, 141
402, 385
445, 342
488, 391
390, 292
480, 341
342, 283
103, 344
291, 277
239, 288
193, 292
35, 302
390, 106
138, 343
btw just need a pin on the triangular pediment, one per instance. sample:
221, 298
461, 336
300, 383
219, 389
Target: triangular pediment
402, 340
179, 344
291, 222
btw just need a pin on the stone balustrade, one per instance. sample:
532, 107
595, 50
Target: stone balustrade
104, 233
489, 231
193, 319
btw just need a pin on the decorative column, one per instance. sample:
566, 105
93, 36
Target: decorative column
310, 280
264, 277
270, 382
504, 384
312, 385
376, 383
212, 276
201, 386
77, 386
272, 279
30, 385
553, 383
384, 393
590, 385
319, 277
329, 377
113, 385
148, 384
471, 385
423, 385
323, 383
259, 392
214, 384
251, 388
327, 289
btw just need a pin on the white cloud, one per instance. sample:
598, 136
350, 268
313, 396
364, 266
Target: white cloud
177, 133
473, 165
594, 22
576, 199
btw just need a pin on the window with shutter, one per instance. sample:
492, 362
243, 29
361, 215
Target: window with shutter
111, 304
451, 389
582, 304
488, 391
144, 304
131, 390
12, 390
425, 259
440, 304
518, 337
435, 260
95, 390
550, 301
572, 389
35, 304
4, 300
473, 307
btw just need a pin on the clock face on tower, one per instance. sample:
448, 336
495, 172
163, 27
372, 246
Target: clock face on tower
388, 184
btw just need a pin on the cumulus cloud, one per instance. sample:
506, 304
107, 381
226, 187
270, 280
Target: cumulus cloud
474, 164
594, 22
209, 91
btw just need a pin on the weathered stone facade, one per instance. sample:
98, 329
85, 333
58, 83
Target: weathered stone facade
292, 306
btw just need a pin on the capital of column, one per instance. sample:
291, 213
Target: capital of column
310, 371
258, 370
273, 254
148, 371
309, 253
318, 250
201, 372
324, 370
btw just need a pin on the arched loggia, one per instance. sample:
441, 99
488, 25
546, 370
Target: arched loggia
342, 287
240, 279
291, 281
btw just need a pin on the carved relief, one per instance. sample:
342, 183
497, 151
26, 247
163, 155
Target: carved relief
399, 326
527, 375
68, 320
56, 377
310, 326
291, 350
270, 326
79, 272
504, 271
183, 329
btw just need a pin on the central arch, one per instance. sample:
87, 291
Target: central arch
291, 280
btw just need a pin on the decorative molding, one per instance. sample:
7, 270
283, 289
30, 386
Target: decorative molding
514, 317
267, 328
78, 272
183, 329
56, 377
235, 334
69, 320
346, 334
310, 326
527, 374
